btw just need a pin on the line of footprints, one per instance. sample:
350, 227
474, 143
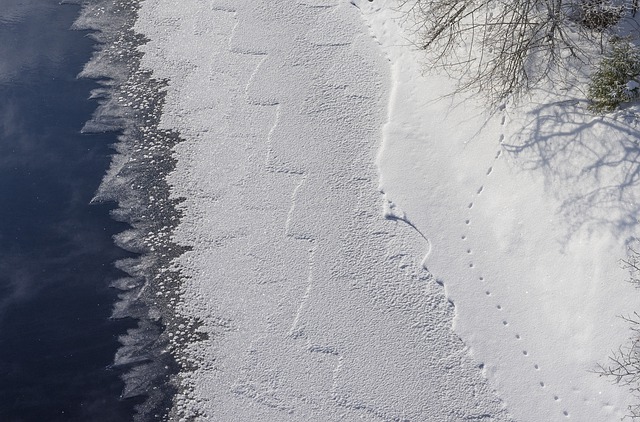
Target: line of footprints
464, 238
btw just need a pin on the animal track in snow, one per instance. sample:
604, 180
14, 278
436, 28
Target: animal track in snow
472, 267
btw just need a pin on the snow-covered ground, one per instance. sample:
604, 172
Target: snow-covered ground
528, 213
482, 284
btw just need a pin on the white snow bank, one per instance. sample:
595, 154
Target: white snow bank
528, 213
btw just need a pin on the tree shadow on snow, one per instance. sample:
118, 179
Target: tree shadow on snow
590, 163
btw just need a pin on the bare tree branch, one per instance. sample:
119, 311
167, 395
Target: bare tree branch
504, 48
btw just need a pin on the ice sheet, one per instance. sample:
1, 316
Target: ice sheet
315, 305
325, 299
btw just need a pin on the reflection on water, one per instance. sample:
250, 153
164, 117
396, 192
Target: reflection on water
56, 250
27, 46
15, 11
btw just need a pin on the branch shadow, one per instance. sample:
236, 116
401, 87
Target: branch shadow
591, 164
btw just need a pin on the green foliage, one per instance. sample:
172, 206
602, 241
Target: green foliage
616, 80
599, 15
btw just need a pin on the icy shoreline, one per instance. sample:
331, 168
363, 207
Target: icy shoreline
130, 103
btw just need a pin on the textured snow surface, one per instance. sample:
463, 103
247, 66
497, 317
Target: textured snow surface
320, 308
317, 305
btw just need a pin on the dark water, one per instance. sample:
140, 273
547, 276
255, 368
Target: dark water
56, 250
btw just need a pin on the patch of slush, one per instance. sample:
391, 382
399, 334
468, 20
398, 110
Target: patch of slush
528, 212
315, 306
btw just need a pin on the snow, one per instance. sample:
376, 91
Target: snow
528, 212
306, 124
